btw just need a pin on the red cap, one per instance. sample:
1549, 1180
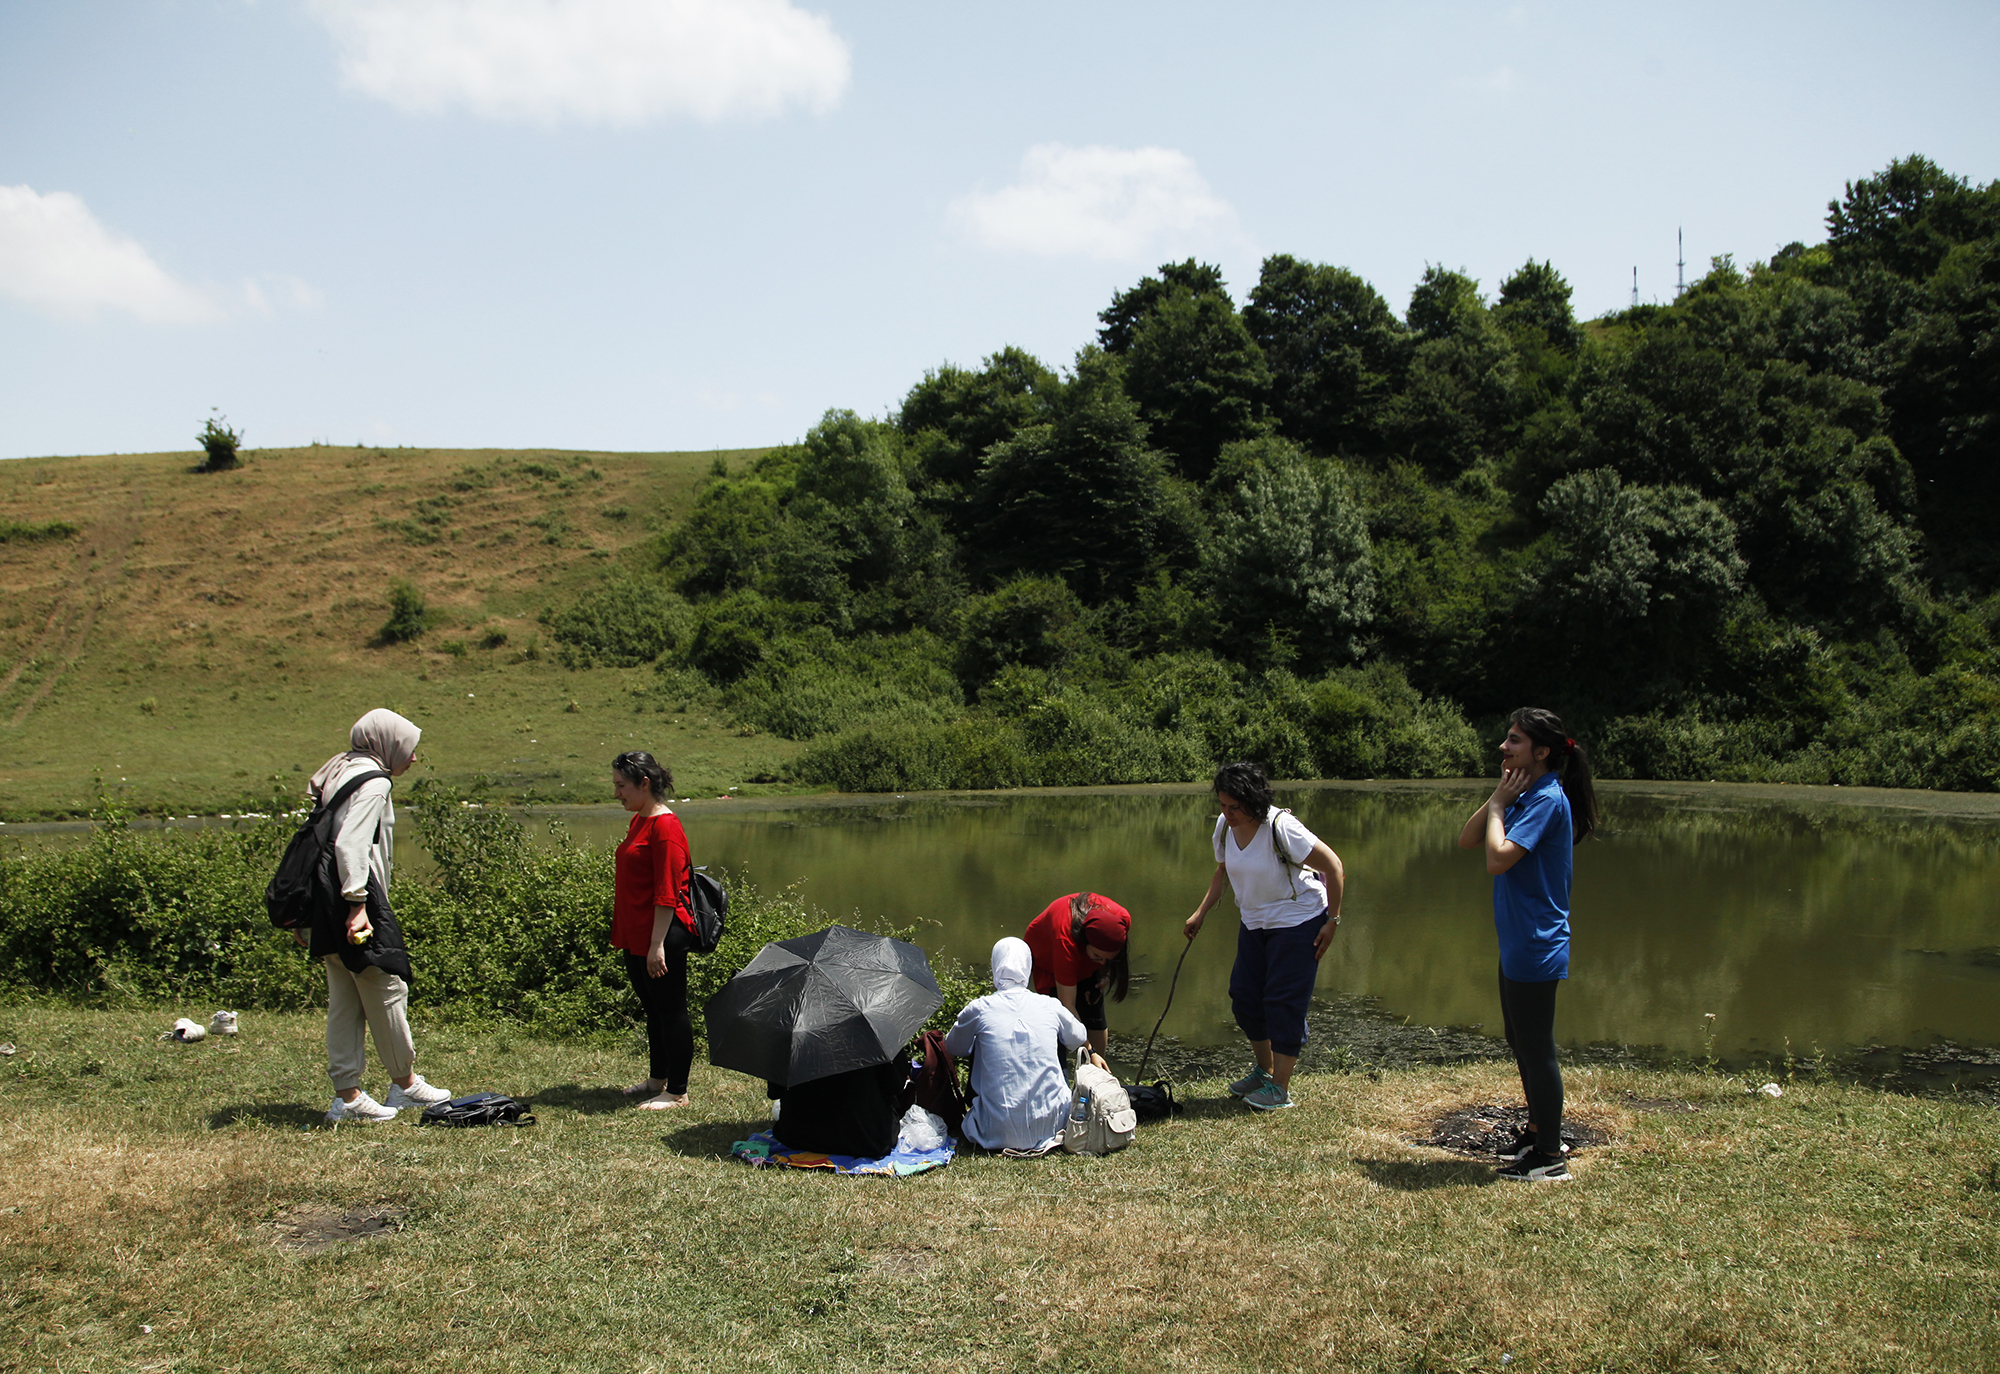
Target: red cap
1107, 925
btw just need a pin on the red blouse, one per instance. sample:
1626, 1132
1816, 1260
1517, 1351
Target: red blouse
652, 871
1059, 956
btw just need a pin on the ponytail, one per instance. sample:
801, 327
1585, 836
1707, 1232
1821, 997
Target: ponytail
1568, 761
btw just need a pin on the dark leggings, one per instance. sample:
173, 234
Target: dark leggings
669, 1029
1528, 1012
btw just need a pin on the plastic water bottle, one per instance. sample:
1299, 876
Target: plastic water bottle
1079, 1110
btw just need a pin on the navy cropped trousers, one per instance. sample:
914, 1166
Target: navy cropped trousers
1271, 985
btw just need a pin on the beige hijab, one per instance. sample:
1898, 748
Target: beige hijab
381, 737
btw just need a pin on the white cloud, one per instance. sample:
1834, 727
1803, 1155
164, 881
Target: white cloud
1113, 203
56, 257
592, 61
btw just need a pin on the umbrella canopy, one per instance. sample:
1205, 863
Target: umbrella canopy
822, 1004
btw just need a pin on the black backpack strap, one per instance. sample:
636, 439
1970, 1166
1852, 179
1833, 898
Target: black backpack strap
349, 788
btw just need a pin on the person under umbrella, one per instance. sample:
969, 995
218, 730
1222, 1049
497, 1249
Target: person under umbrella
823, 1019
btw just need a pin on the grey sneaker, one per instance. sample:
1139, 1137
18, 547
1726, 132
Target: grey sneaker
418, 1094
361, 1110
1269, 1098
1250, 1082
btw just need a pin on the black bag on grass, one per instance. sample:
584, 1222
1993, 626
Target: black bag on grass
303, 881
1153, 1101
479, 1109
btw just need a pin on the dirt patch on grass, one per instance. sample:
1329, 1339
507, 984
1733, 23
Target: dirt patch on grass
1489, 1129
308, 1228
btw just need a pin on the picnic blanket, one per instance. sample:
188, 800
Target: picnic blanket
765, 1150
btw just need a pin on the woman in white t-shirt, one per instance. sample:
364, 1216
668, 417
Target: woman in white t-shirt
1288, 887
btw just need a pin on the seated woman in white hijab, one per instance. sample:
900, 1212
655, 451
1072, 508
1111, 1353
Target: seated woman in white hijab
1017, 1040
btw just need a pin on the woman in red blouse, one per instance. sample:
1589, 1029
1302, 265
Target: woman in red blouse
1078, 944
650, 922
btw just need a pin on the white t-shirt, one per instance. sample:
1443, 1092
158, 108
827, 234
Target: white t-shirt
1271, 894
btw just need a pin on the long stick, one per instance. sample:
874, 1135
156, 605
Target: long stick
1163, 1010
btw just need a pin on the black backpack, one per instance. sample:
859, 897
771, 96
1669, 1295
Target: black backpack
302, 884
479, 1109
1153, 1101
709, 905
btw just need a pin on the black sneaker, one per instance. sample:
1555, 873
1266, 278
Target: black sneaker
1524, 1145
1535, 1167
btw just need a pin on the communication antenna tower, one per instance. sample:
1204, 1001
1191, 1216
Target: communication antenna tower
1635, 288
1681, 267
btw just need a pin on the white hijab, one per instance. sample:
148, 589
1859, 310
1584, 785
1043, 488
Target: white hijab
381, 737
1013, 962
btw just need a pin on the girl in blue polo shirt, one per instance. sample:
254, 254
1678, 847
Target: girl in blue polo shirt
1542, 809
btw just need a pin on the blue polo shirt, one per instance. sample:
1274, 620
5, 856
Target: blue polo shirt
1531, 899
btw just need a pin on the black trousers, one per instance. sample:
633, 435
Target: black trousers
1528, 1012
669, 1028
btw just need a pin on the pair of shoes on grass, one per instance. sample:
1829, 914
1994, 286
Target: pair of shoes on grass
364, 1109
1258, 1089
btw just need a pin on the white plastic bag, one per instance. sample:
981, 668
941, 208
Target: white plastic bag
921, 1130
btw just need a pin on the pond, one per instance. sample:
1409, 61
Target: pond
1830, 919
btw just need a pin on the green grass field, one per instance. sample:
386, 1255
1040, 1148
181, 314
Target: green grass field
180, 1207
207, 637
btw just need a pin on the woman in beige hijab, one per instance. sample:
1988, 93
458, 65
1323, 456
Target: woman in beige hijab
359, 941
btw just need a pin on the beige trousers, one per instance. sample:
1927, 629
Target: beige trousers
356, 1004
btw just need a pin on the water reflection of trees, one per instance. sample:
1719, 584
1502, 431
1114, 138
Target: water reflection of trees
1802, 919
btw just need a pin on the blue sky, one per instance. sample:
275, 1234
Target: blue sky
662, 224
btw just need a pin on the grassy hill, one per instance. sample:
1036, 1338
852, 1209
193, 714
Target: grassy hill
206, 637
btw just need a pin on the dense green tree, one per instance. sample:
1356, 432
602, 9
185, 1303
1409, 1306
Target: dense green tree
1536, 298
1083, 498
1199, 379
1335, 353
1290, 559
1120, 320
954, 415
1458, 400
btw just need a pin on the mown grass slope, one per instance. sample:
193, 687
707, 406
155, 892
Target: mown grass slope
205, 638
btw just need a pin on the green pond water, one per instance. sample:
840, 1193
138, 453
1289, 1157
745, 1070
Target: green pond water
1835, 919
1832, 918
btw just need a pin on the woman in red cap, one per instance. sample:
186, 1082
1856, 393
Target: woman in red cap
1078, 944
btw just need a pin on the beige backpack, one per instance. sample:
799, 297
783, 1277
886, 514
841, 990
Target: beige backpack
1101, 1118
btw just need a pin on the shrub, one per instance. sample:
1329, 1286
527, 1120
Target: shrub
626, 622
977, 752
407, 614
219, 442
21, 532
502, 931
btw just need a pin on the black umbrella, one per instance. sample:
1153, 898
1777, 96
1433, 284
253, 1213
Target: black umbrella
822, 1004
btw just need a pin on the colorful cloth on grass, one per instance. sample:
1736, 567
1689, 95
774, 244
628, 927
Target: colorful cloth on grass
764, 1149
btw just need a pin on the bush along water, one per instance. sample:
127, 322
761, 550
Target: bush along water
1748, 536
501, 931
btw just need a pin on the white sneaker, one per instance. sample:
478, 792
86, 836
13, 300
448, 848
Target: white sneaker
418, 1094
222, 1023
362, 1109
